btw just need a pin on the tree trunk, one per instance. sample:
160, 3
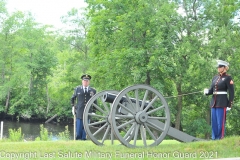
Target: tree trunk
48, 99
7, 102
8, 95
148, 79
179, 108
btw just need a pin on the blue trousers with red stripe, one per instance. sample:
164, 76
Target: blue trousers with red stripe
218, 119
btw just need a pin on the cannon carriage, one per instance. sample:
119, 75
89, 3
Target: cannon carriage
138, 116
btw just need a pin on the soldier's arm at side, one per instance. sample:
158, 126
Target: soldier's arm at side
73, 98
230, 91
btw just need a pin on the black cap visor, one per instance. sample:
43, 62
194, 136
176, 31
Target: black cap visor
220, 66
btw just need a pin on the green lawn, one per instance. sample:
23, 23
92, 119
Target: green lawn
168, 149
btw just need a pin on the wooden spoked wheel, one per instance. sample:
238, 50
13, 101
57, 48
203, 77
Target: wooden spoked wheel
140, 116
96, 118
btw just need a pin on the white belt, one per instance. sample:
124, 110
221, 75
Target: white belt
220, 92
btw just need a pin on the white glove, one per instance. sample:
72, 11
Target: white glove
205, 91
228, 108
73, 110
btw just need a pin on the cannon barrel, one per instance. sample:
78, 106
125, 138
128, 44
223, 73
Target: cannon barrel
109, 97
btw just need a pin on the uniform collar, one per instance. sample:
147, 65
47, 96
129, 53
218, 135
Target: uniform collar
223, 74
85, 87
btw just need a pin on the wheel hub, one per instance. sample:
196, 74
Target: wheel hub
141, 117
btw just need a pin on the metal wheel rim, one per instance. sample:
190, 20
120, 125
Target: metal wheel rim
135, 117
104, 117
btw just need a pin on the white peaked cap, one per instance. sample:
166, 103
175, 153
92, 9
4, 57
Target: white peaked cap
224, 63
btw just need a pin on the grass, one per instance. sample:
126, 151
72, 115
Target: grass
168, 149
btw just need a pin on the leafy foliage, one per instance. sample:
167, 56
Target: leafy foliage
16, 135
65, 135
44, 134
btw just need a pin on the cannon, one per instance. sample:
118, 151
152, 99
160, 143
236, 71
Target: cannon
138, 116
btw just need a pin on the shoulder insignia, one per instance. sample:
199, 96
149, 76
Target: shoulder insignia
91, 93
231, 82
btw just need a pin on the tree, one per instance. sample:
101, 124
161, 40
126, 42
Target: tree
27, 62
124, 36
148, 42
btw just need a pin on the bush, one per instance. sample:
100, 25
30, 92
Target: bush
64, 135
16, 135
44, 136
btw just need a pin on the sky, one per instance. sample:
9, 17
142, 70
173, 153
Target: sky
45, 11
